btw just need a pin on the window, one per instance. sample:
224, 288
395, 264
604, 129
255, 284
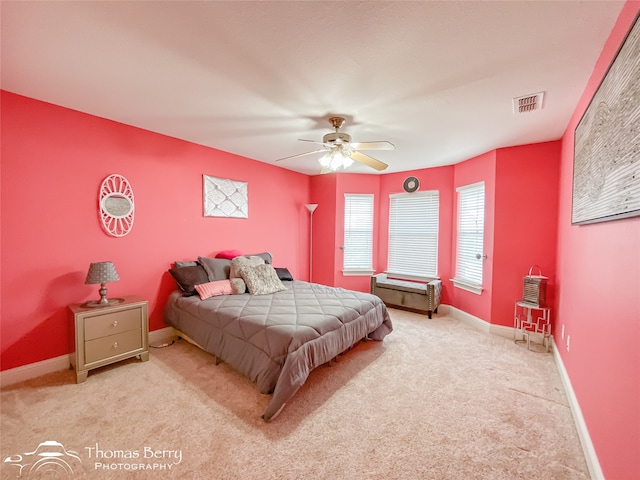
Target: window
413, 235
358, 234
470, 255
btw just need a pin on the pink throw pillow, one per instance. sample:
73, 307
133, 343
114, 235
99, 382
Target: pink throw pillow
212, 289
229, 254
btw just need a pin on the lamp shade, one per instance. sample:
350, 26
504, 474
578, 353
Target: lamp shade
101, 272
311, 207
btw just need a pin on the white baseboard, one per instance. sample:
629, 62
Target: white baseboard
33, 370
160, 336
583, 432
484, 326
477, 322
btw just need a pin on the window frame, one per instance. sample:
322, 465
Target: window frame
362, 269
394, 265
468, 280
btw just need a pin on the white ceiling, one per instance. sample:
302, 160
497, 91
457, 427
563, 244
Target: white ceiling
252, 77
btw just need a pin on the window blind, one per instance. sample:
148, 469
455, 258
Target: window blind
470, 234
413, 234
358, 232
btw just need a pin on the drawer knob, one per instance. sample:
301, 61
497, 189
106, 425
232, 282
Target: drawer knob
115, 323
115, 344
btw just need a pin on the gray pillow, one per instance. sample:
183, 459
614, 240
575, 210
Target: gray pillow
188, 277
266, 256
179, 264
261, 279
216, 268
284, 274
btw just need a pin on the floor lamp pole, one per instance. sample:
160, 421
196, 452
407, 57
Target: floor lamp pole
312, 208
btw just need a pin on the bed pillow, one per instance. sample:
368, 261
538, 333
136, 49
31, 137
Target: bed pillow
229, 254
180, 264
216, 268
239, 287
284, 274
239, 263
262, 280
213, 289
266, 256
188, 277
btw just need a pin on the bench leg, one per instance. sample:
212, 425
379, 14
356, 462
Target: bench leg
429, 313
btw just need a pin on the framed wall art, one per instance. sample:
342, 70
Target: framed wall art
606, 166
225, 198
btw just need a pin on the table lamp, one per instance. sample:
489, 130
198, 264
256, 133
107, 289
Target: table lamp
101, 273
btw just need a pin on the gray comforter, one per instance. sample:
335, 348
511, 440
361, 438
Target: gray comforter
276, 340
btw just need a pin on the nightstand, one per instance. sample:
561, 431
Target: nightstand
104, 335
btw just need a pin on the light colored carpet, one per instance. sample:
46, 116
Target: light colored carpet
435, 400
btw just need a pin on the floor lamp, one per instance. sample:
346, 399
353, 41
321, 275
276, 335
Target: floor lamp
312, 208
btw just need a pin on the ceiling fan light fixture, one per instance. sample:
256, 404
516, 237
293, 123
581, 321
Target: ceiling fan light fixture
336, 159
340, 153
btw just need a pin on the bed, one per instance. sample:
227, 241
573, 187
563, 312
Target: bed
277, 339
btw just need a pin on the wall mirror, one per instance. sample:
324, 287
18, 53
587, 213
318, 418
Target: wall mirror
116, 205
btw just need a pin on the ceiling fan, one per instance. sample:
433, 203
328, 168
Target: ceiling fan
340, 152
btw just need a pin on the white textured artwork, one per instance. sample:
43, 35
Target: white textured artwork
606, 168
225, 198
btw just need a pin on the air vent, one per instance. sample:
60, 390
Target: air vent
528, 103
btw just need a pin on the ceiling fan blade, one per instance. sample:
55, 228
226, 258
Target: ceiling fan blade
310, 141
300, 155
369, 161
384, 145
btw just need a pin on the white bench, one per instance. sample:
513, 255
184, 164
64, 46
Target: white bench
423, 297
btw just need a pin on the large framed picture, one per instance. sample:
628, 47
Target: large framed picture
606, 164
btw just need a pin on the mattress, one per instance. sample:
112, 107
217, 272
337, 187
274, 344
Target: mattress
276, 340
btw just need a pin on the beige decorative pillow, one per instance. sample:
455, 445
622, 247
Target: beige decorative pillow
262, 280
241, 262
238, 286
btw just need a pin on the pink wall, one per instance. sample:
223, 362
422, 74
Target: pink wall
53, 162
526, 213
323, 192
598, 292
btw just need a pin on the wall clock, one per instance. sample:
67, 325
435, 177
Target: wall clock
116, 205
411, 184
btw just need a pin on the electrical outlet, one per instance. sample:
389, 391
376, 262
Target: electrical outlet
562, 334
568, 342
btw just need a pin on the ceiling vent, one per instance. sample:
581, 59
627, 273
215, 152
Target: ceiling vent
528, 103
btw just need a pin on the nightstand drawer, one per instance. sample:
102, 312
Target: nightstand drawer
113, 345
114, 323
